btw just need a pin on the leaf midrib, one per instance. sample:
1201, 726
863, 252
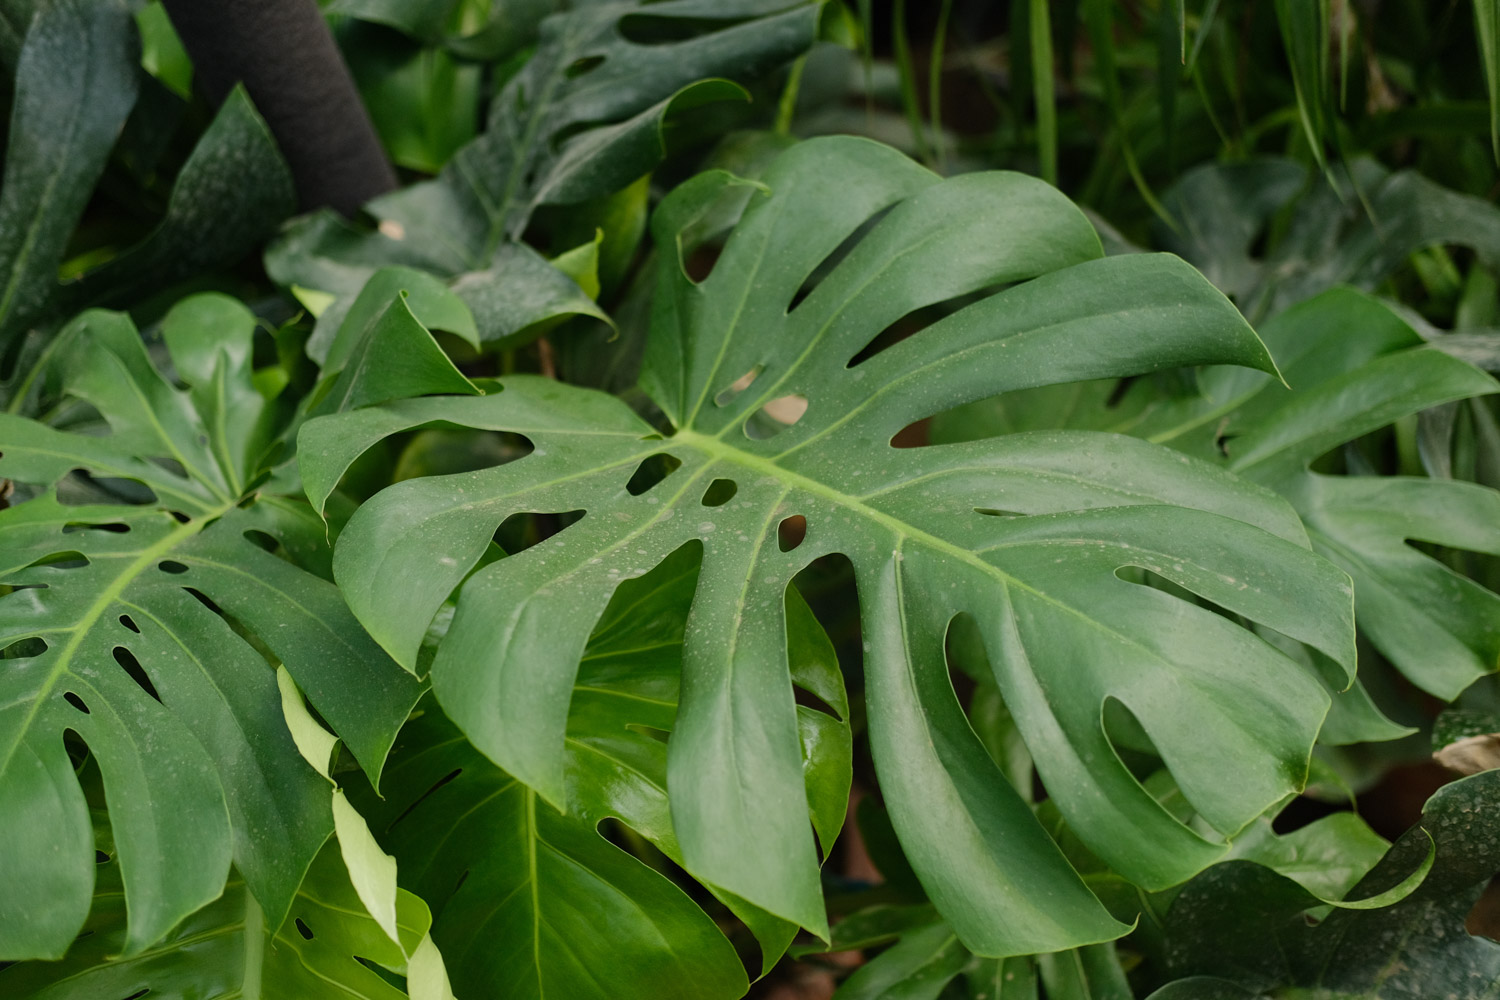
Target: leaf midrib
719, 451
901, 529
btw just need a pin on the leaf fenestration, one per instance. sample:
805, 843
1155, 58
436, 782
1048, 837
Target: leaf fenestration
157, 621
1064, 630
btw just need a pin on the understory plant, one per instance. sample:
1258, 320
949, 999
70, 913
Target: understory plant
655, 553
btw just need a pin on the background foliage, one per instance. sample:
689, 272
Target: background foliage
917, 500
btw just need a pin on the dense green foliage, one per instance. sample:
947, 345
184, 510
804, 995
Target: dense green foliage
676, 542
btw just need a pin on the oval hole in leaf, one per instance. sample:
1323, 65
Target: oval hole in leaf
79, 489
24, 649
652, 470
700, 261
75, 701
203, 600
261, 539
725, 395
171, 566
304, 930
720, 492
775, 417
171, 464
647, 29
129, 623
581, 66
914, 435
968, 660
659, 735
71, 559
126, 659
114, 527
451, 775
791, 532
521, 531
805, 698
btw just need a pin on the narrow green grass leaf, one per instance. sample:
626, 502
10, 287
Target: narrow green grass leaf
1487, 27
935, 81
1305, 32
901, 44
1043, 91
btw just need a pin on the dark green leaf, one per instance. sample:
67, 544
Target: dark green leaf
231, 948
75, 84
156, 619
1354, 366
1335, 236
1026, 534
592, 111
918, 967
535, 903
1487, 30
1242, 922
518, 293
230, 195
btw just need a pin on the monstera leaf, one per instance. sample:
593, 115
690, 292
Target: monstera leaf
1244, 923
574, 915
1436, 625
232, 948
1034, 536
589, 113
142, 607
1353, 366
1320, 862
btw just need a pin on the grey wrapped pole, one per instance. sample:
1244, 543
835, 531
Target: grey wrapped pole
285, 55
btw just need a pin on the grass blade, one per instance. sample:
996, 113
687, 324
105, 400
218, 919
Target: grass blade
1487, 25
1304, 32
1042, 88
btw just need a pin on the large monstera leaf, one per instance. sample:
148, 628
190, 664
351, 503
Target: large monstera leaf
532, 902
141, 622
589, 113
1352, 366
1043, 539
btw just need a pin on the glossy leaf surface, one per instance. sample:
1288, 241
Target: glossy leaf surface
1354, 366
531, 902
141, 621
75, 83
1027, 534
